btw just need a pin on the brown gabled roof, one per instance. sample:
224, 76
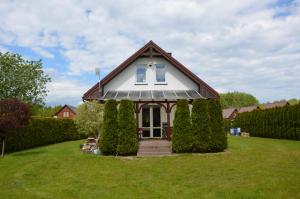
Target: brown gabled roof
276, 104
227, 113
204, 88
248, 108
71, 108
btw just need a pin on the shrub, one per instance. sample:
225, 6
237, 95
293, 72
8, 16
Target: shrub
109, 135
201, 131
42, 131
218, 141
281, 123
14, 115
182, 135
89, 118
127, 142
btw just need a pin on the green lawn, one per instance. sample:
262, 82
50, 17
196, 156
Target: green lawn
252, 168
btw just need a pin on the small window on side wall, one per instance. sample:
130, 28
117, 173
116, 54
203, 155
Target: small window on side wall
160, 73
141, 74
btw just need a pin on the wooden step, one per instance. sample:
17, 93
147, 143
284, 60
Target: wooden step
154, 148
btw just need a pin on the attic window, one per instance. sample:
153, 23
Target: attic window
66, 114
160, 73
141, 74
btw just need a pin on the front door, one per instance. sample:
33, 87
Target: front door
151, 122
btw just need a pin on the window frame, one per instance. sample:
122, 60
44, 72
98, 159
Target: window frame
136, 74
158, 65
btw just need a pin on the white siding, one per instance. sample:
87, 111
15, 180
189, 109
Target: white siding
126, 80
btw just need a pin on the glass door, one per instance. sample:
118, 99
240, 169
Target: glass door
151, 122
146, 122
156, 127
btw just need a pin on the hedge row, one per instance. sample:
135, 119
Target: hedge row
42, 131
282, 123
203, 131
118, 135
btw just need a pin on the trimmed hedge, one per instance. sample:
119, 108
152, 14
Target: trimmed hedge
201, 126
281, 123
109, 135
218, 141
127, 142
42, 131
182, 140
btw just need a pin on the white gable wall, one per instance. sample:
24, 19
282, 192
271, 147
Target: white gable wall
126, 80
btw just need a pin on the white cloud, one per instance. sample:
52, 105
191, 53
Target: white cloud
244, 45
65, 90
42, 52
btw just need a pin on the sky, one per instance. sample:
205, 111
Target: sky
250, 46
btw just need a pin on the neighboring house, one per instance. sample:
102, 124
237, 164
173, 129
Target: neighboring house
275, 104
230, 113
248, 109
154, 80
66, 111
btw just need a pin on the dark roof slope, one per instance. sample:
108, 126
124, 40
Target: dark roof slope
228, 112
248, 108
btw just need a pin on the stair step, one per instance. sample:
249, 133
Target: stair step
153, 153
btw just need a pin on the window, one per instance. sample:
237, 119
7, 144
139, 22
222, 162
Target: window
141, 74
66, 114
160, 73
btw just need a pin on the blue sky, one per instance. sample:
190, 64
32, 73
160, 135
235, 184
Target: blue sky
251, 45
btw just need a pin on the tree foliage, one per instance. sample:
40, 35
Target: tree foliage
14, 114
44, 111
293, 101
127, 142
237, 99
22, 79
109, 135
89, 118
182, 135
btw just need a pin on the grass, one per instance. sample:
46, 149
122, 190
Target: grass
252, 168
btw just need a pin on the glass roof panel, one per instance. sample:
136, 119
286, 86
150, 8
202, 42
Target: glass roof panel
122, 95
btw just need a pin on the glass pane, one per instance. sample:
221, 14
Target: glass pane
110, 95
122, 95
156, 116
156, 132
146, 117
141, 74
193, 94
160, 73
181, 94
170, 94
158, 94
134, 94
146, 133
146, 95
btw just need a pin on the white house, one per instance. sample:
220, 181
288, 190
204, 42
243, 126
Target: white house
154, 80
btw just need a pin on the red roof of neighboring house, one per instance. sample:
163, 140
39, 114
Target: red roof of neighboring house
276, 104
71, 108
248, 108
227, 113
204, 88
